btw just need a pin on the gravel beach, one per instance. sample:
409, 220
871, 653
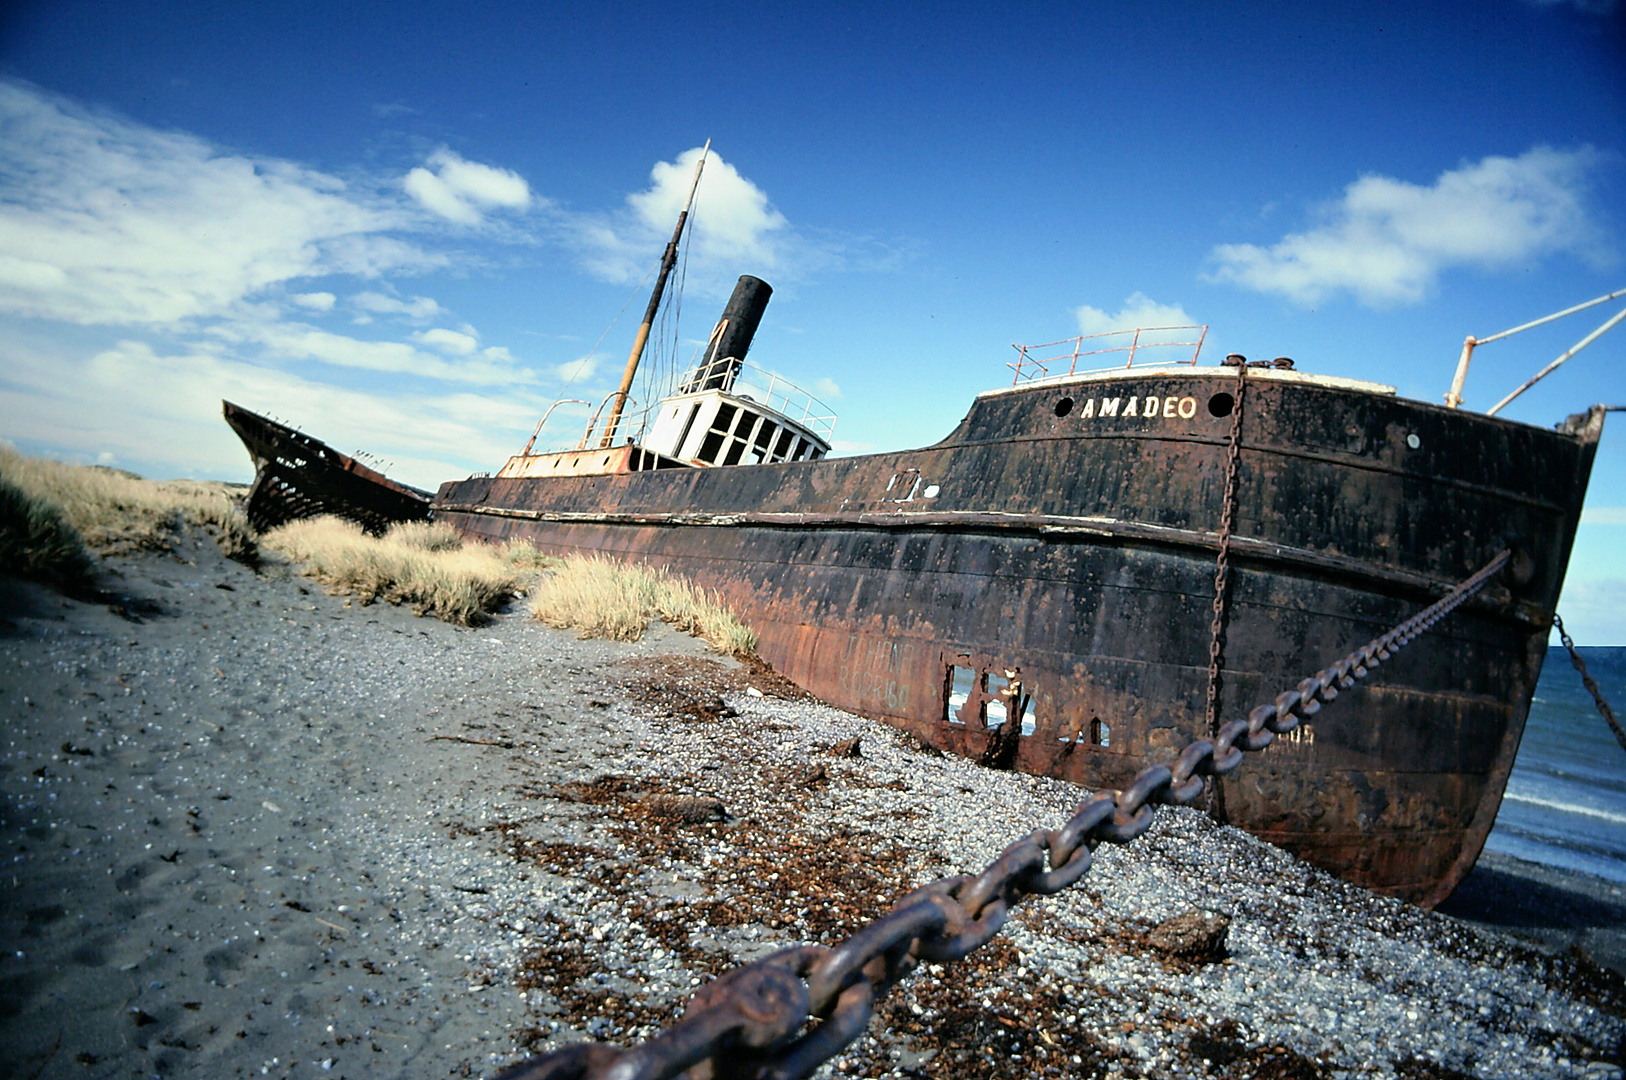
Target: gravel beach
254, 830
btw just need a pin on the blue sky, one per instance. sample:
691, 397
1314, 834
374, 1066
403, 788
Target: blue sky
407, 228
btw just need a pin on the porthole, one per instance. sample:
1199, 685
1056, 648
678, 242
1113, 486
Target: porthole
1413, 441
1064, 406
1221, 404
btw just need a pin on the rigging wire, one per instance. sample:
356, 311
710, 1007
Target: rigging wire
665, 368
630, 298
580, 370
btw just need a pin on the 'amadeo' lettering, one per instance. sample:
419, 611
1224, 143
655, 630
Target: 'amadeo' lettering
1149, 406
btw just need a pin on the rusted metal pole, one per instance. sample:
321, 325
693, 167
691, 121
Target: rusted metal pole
1548, 370
1454, 398
668, 260
562, 401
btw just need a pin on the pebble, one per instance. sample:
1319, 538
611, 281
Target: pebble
343, 880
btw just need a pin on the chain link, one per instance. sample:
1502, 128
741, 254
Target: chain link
754, 1022
1222, 565
1590, 684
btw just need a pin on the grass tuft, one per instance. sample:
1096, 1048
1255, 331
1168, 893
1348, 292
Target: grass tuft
601, 598
37, 542
425, 565
115, 511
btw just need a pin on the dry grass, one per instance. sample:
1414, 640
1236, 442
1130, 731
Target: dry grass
425, 565
37, 542
601, 598
115, 511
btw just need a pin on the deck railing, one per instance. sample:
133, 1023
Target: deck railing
1036, 361
765, 388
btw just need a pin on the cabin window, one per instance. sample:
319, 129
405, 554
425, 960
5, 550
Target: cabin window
762, 445
710, 446
781, 449
815, 454
735, 449
724, 419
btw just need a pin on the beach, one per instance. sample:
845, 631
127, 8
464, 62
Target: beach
252, 829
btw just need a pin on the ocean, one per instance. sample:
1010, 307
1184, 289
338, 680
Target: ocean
1565, 804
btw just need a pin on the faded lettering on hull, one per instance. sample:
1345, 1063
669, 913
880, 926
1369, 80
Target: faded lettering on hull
869, 671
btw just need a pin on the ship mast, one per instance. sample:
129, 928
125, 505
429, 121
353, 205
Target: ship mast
667, 262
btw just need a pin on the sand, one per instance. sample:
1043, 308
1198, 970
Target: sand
254, 830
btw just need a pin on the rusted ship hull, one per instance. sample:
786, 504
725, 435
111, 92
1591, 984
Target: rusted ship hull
1076, 548
297, 476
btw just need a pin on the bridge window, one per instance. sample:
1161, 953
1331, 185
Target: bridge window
763, 443
709, 447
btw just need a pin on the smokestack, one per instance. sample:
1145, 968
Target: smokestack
741, 316
732, 338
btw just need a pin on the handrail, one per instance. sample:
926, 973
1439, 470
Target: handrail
593, 423
562, 401
766, 388
1025, 360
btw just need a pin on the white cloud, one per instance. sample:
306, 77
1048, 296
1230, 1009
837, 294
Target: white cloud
733, 228
574, 371
168, 405
733, 220
1138, 311
1603, 515
296, 341
462, 191
106, 221
449, 341
315, 301
418, 307
827, 387
1387, 240
1594, 610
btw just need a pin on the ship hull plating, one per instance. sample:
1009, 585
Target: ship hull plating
1065, 536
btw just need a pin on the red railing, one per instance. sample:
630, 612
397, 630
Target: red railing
1035, 361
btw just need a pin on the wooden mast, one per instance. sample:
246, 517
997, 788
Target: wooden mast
667, 262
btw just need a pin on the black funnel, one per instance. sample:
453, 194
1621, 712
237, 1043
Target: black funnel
732, 338
741, 317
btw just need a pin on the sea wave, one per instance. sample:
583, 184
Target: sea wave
1569, 808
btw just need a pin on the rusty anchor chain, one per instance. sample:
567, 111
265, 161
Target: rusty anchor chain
755, 1020
1222, 575
1590, 683
1222, 564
